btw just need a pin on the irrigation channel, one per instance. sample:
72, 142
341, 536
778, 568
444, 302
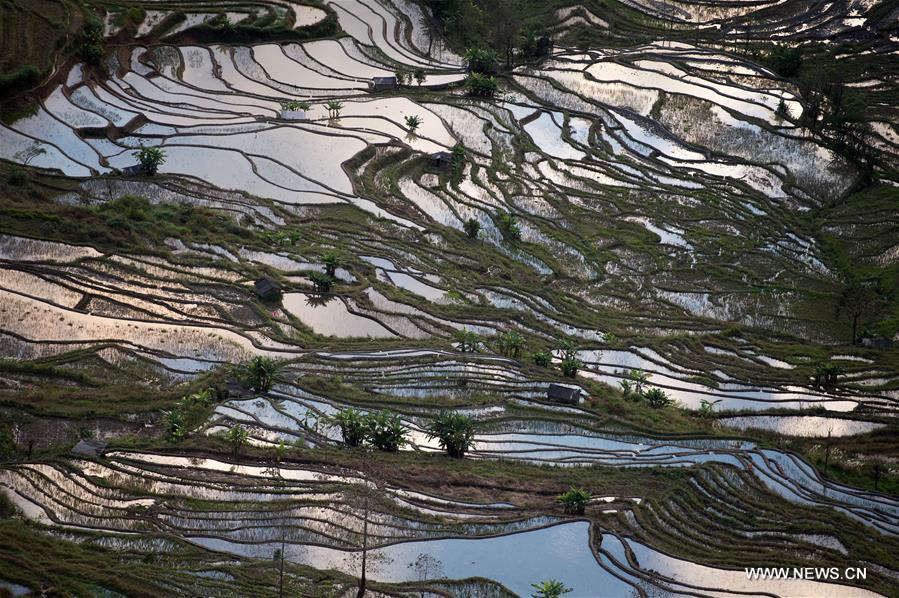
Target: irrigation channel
659, 192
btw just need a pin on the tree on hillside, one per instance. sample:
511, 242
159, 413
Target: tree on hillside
150, 158
859, 302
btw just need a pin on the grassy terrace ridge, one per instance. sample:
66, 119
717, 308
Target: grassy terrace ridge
688, 214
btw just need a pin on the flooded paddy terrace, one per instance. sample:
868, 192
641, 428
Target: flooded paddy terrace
660, 198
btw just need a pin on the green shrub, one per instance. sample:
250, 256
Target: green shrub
482, 86
467, 341
150, 158
657, 398
385, 431
508, 226
353, 426
543, 358
551, 588
259, 373
472, 228
321, 281
574, 500
453, 431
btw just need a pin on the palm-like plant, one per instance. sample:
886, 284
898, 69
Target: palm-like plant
333, 107
481, 60
332, 262
386, 431
543, 358
150, 158
237, 437
453, 431
321, 281
472, 228
294, 105
413, 122
707, 408
657, 398
639, 378
175, 427
570, 366
510, 344
259, 373
353, 426
574, 500
550, 589
467, 341
508, 226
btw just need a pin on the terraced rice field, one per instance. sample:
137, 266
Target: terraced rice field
669, 217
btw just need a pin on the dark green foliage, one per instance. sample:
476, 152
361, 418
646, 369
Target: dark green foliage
333, 107
535, 42
826, 374
784, 60
472, 228
453, 431
91, 41
413, 122
295, 105
467, 341
353, 426
385, 431
246, 32
569, 364
543, 358
657, 398
860, 302
259, 373
187, 413
321, 281
150, 158
481, 61
482, 86
574, 500
332, 261
237, 437
458, 160
403, 76
510, 344
508, 226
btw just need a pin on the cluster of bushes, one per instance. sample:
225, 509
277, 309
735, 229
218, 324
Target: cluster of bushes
381, 429
405, 76
259, 373
91, 41
511, 344
635, 388
221, 29
453, 431
574, 500
187, 412
482, 86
